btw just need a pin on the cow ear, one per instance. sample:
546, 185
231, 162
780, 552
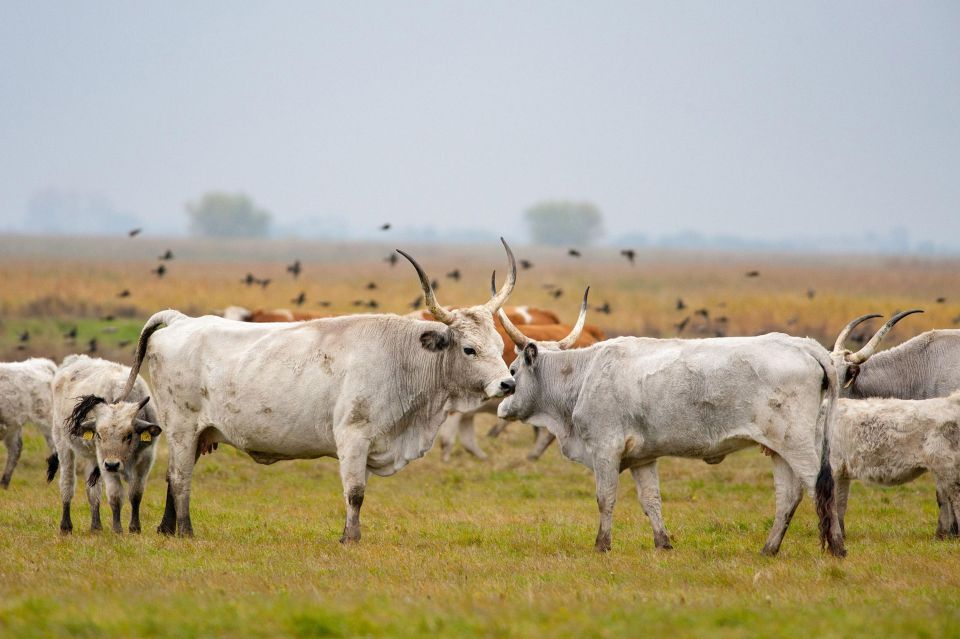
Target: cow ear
851, 375
143, 402
434, 341
530, 352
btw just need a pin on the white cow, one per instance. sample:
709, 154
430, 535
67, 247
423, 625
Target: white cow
894, 441
623, 403
113, 440
24, 397
367, 389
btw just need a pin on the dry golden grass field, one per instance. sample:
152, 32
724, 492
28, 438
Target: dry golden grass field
496, 548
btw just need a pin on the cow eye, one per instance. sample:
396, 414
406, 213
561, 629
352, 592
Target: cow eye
469, 351
128, 437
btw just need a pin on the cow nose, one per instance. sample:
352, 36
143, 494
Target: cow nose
112, 466
508, 386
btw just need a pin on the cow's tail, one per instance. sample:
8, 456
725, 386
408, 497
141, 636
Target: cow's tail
831, 536
53, 463
156, 322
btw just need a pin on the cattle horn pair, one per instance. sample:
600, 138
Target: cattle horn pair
493, 305
871, 347
522, 340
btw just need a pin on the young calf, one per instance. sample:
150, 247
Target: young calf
24, 397
113, 440
894, 441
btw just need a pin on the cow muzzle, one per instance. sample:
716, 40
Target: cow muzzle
112, 465
501, 388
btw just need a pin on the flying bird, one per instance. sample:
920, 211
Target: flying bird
71, 334
294, 269
323, 303
941, 300
556, 293
753, 273
92, 345
630, 254
811, 293
249, 280
573, 253
417, 302
682, 324
24, 337
454, 274
166, 256
263, 283
605, 308
434, 284
392, 259
373, 304
525, 264
299, 299
385, 227
123, 343
134, 232
371, 286
160, 271
704, 313
124, 293
107, 318
680, 304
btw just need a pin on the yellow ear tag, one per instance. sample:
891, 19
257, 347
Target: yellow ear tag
88, 434
145, 436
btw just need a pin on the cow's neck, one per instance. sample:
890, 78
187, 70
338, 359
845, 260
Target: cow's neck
562, 374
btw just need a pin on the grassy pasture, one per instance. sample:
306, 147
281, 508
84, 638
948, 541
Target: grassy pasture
495, 548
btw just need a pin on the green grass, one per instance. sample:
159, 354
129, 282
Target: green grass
475, 549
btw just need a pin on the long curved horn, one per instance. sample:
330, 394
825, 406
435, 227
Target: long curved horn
512, 331
574, 335
442, 314
499, 299
845, 333
867, 351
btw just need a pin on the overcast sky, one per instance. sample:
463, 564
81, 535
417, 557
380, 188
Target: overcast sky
758, 119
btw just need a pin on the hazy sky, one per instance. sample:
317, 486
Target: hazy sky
759, 119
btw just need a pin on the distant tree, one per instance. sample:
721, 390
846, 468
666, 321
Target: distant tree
219, 214
564, 223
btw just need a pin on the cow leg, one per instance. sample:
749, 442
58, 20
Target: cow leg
648, 492
607, 474
137, 481
497, 428
68, 480
168, 525
947, 521
789, 492
468, 436
14, 443
843, 493
353, 476
542, 442
114, 490
448, 435
183, 458
93, 497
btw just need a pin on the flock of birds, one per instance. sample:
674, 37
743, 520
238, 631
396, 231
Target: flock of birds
715, 325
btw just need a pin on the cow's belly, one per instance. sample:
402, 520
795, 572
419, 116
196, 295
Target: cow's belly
268, 440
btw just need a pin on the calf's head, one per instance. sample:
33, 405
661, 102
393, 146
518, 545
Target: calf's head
847, 363
527, 372
471, 350
116, 430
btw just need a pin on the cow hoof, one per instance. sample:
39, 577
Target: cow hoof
163, 529
602, 544
349, 541
769, 552
134, 530
66, 531
665, 547
4, 483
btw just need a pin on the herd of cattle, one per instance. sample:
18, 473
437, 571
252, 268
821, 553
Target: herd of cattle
376, 390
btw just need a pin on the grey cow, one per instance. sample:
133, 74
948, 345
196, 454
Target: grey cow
623, 403
112, 440
24, 398
924, 367
370, 390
